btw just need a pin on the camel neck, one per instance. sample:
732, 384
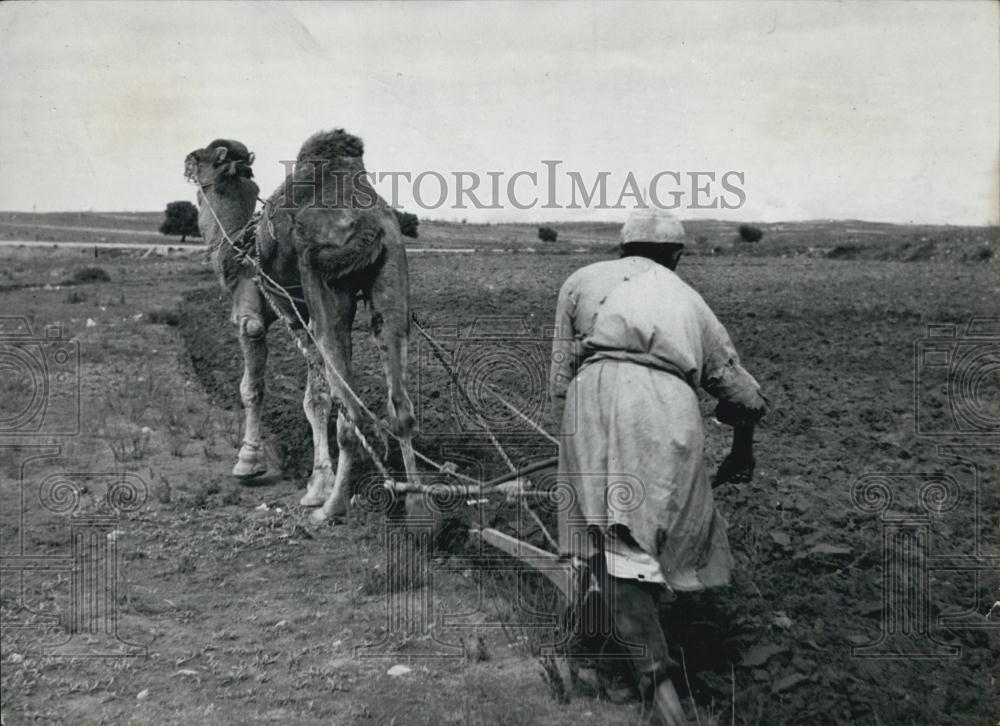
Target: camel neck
231, 192
232, 200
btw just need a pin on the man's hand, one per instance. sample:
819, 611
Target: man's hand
736, 468
738, 414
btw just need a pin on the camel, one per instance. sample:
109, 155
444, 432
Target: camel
328, 238
227, 196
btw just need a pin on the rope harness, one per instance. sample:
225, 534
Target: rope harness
235, 167
248, 252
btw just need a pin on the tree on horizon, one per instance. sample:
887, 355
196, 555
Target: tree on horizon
408, 223
180, 218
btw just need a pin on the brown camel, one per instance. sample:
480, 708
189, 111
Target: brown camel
326, 237
227, 196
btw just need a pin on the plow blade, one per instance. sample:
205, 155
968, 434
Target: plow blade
558, 570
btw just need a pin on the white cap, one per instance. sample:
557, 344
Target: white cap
653, 225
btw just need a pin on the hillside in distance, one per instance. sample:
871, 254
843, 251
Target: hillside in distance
836, 239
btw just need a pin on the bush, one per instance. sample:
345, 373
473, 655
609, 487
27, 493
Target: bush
547, 234
750, 233
90, 274
407, 223
163, 316
844, 252
180, 218
926, 250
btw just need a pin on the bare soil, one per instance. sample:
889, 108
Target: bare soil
248, 615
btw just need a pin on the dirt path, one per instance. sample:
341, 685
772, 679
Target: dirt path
74, 228
76, 244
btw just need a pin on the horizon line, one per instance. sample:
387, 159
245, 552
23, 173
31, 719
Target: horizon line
813, 220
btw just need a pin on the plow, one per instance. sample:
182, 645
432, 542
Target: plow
570, 576
247, 250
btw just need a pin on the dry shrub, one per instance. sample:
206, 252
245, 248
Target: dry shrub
90, 274
750, 233
163, 316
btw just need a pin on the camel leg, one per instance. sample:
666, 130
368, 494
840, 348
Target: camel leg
391, 339
250, 461
317, 404
390, 327
332, 316
347, 442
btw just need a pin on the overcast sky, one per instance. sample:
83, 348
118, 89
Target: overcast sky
877, 111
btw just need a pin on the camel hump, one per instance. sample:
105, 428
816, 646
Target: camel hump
331, 145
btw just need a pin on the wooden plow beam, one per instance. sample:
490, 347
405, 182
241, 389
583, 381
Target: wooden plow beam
560, 571
511, 484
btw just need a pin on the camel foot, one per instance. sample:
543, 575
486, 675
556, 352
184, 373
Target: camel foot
312, 499
250, 462
320, 517
319, 488
332, 509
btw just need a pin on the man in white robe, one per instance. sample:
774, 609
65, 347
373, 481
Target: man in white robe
633, 343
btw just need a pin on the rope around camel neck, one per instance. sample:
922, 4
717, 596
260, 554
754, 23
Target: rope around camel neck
259, 274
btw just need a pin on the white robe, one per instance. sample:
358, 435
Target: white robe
632, 343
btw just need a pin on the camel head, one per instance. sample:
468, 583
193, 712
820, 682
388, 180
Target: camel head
223, 158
